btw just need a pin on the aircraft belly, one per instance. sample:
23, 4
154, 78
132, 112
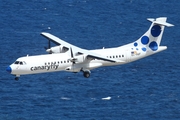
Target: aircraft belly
94, 65
100, 63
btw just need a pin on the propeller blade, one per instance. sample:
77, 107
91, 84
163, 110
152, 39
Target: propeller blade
48, 48
49, 44
72, 56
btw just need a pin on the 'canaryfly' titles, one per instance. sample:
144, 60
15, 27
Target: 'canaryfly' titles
45, 67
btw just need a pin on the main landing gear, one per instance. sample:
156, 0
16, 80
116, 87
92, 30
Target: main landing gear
16, 78
86, 73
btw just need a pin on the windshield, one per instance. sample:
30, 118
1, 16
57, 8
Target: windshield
20, 62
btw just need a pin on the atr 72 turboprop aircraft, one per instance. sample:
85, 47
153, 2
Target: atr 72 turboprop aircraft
67, 57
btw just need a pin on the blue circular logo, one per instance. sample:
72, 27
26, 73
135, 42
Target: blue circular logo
144, 49
155, 30
153, 45
144, 40
135, 44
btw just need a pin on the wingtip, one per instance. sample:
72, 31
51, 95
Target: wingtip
42, 33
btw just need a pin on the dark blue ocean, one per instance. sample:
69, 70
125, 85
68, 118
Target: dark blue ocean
148, 89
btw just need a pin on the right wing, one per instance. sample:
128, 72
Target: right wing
55, 39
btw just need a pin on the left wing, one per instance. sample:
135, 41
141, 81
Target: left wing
76, 49
62, 45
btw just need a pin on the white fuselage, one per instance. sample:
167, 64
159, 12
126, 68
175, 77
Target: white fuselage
61, 61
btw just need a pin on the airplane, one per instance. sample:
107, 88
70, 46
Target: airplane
68, 57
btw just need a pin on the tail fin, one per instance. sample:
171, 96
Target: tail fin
152, 38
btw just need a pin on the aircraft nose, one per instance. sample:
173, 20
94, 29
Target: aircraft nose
8, 69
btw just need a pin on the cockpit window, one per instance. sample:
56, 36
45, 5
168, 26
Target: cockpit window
20, 62
17, 62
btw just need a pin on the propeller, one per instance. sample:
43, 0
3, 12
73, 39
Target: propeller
72, 57
48, 48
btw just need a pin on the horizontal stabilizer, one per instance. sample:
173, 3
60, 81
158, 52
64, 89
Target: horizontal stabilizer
160, 21
164, 24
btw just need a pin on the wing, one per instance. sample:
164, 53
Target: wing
93, 55
62, 45
105, 59
76, 49
55, 39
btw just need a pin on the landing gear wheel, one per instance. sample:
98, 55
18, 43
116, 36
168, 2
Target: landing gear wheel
86, 74
16, 78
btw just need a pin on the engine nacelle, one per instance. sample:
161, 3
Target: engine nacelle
79, 58
57, 49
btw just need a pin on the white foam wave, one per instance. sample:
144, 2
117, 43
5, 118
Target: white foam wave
106, 98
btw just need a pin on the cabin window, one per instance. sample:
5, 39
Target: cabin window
119, 55
122, 55
19, 62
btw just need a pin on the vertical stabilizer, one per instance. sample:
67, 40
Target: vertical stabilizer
152, 38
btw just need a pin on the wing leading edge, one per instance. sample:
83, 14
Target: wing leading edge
55, 39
